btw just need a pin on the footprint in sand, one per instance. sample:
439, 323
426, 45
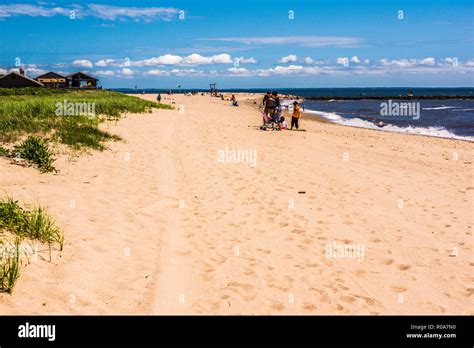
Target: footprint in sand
348, 299
243, 290
278, 306
309, 306
403, 267
398, 288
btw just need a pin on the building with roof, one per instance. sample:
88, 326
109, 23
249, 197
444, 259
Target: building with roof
81, 80
52, 80
18, 79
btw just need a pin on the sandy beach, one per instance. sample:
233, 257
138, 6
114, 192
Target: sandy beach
198, 211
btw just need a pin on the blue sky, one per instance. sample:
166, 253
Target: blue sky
294, 43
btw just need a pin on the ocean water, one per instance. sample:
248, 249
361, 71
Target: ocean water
447, 118
325, 92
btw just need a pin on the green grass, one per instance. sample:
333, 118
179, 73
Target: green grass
33, 111
4, 151
35, 224
10, 263
80, 136
42, 227
35, 150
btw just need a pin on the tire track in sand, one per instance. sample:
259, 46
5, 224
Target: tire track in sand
173, 285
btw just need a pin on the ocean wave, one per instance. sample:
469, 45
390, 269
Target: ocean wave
440, 108
439, 132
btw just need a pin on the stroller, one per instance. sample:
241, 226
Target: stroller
273, 122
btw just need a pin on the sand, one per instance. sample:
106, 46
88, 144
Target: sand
158, 224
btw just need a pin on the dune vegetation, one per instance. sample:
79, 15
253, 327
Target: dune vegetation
18, 224
64, 116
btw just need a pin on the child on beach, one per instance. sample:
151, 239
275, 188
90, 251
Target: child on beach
296, 115
283, 123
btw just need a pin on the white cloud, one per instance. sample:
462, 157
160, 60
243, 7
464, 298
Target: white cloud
289, 70
169, 59
104, 62
238, 71
428, 61
407, 63
166, 59
197, 59
307, 41
109, 73
157, 72
34, 71
355, 59
83, 63
289, 58
30, 10
187, 72
126, 72
127, 68
106, 12
146, 14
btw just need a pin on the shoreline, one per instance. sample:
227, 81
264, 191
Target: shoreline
315, 117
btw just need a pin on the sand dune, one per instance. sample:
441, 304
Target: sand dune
160, 225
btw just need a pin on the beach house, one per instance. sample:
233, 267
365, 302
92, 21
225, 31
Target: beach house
81, 80
52, 80
18, 79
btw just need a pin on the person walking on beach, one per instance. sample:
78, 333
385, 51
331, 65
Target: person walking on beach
158, 98
296, 115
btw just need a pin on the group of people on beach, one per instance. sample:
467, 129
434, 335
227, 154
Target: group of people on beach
273, 110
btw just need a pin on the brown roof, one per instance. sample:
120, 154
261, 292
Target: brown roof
24, 77
49, 75
84, 76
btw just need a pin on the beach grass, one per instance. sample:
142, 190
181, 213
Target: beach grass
34, 111
35, 224
10, 263
4, 151
35, 150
